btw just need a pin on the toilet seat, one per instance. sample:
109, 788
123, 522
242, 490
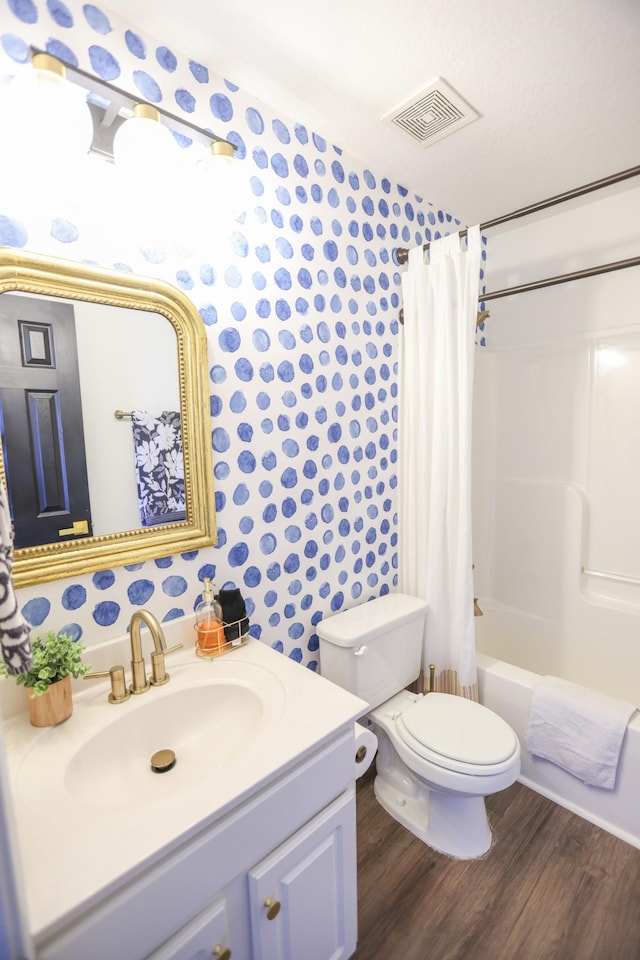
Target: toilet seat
458, 734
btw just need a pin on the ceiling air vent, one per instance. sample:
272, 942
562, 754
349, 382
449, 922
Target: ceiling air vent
432, 114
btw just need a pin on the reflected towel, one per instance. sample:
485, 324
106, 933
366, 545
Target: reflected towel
159, 467
14, 629
578, 729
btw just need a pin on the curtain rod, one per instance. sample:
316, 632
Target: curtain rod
562, 278
402, 253
549, 282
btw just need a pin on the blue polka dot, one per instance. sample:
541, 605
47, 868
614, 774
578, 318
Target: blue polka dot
148, 87
221, 107
199, 72
337, 171
140, 591
239, 244
64, 231
254, 120
247, 462
283, 279
104, 63
60, 13
279, 165
15, 47
25, 10
281, 131
232, 277
238, 555
74, 597
330, 250
283, 310
60, 50
300, 165
243, 369
135, 44
174, 586
96, 19
12, 233
284, 247
106, 613
167, 59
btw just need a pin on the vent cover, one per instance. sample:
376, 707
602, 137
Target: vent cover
432, 114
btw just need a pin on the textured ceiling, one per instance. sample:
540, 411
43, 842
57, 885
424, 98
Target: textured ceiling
556, 83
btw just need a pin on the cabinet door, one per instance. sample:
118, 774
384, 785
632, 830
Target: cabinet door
303, 899
204, 937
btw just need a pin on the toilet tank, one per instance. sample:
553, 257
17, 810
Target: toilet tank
374, 650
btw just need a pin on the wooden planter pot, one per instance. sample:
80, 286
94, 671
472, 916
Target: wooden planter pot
51, 707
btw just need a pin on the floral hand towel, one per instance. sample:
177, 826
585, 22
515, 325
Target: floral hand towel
159, 467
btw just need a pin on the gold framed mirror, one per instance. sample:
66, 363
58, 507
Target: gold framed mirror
135, 362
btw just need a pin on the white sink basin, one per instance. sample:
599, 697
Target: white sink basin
205, 727
209, 714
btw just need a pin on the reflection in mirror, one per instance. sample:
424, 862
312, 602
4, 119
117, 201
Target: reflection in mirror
106, 454
77, 364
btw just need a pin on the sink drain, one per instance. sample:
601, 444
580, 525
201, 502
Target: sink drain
163, 760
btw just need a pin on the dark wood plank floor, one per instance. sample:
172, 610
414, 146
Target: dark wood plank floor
552, 887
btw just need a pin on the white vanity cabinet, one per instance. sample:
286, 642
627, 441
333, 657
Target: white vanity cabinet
302, 898
274, 879
299, 902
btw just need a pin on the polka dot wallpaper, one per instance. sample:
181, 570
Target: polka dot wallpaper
294, 276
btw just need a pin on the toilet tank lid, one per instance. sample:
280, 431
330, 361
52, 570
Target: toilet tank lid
349, 628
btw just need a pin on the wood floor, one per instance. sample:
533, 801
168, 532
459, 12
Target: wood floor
552, 887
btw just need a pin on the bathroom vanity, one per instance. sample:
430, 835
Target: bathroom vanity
246, 848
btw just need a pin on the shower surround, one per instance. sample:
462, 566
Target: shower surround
556, 470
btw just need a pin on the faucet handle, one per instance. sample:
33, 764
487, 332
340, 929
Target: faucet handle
119, 692
159, 674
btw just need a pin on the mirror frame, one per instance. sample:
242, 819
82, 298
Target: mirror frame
26, 272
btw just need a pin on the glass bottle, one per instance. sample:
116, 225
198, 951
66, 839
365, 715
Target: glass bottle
209, 628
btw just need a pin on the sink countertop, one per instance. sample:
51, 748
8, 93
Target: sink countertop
72, 852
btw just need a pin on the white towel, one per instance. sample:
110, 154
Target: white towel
578, 729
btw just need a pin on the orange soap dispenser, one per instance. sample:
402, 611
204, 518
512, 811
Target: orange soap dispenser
210, 637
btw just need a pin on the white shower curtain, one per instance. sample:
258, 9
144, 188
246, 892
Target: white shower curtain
434, 471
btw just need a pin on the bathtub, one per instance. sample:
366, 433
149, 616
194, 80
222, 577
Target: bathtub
507, 689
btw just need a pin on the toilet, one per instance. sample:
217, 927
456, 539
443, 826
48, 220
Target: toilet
439, 755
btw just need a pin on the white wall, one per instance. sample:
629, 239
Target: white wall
557, 449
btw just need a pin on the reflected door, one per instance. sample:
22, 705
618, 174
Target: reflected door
42, 428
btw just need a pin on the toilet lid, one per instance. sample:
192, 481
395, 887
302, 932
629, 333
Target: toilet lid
457, 729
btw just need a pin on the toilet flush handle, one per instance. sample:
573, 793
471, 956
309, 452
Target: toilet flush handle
359, 652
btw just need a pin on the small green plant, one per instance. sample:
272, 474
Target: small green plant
53, 659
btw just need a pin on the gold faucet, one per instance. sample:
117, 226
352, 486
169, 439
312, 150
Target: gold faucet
139, 682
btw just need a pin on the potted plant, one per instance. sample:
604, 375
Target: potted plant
55, 661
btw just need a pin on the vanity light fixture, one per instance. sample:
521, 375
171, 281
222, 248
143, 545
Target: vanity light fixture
109, 109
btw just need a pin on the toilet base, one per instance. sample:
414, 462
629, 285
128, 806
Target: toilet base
451, 824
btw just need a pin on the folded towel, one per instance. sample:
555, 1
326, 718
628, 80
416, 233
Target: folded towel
159, 467
578, 730
14, 629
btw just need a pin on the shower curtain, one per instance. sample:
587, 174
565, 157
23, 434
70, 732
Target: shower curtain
434, 471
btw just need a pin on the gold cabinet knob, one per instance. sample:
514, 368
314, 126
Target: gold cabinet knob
221, 953
273, 908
